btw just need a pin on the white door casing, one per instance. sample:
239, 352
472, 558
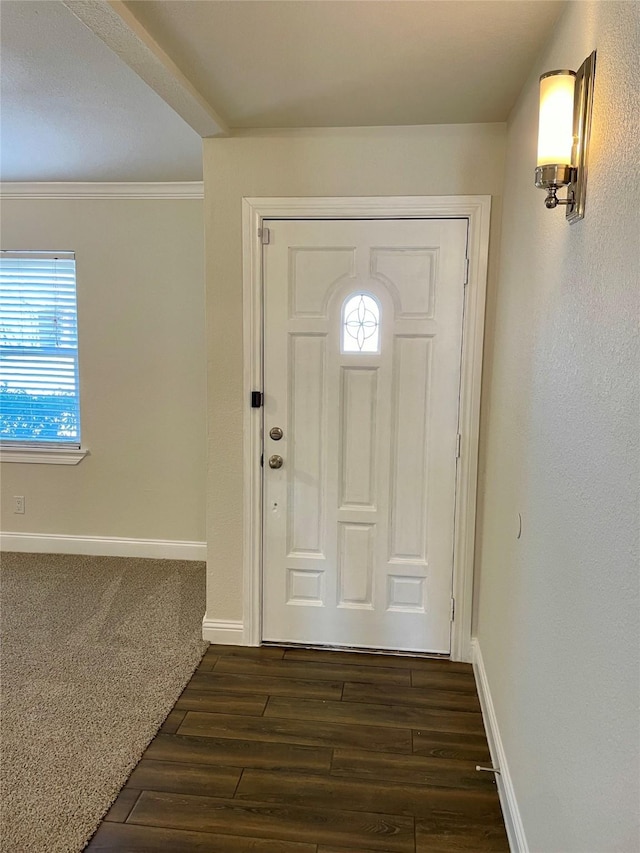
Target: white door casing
363, 334
476, 211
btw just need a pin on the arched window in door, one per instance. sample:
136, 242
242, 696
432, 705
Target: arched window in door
361, 323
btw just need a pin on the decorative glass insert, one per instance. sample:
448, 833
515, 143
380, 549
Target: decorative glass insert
361, 324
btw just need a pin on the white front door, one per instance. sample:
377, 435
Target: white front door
363, 336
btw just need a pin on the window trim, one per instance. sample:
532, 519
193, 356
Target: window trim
44, 455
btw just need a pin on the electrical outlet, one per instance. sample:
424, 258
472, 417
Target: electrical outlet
18, 504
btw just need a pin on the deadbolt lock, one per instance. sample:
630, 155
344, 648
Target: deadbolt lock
275, 461
275, 433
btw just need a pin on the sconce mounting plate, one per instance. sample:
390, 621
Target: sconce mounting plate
582, 108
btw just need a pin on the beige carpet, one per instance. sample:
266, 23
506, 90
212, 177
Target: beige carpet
95, 651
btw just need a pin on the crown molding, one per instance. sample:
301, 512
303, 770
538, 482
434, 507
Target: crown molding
69, 189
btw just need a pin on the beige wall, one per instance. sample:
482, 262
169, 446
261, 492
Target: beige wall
434, 160
140, 286
558, 609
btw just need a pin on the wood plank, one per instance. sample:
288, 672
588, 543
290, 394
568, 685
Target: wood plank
129, 838
454, 682
363, 714
270, 685
439, 822
199, 697
239, 753
466, 841
304, 732
323, 848
205, 779
444, 833
413, 769
123, 804
460, 747
391, 833
207, 663
425, 678
250, 652
313, 671
372, 659
172, 723
331, 792
443, 700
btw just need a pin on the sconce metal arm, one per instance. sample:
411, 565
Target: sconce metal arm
552, 199
551, 178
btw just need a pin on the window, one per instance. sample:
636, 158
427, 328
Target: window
361, 324
39, 393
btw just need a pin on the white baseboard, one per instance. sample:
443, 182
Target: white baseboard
226, 632
510, 810
110, 546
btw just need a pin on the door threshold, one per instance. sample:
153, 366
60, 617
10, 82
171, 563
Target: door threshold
359, 650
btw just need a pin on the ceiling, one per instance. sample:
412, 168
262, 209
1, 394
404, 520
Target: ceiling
71, 110
112, 91
338, 64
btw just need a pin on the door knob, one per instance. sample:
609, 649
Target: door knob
275, 433
275, 461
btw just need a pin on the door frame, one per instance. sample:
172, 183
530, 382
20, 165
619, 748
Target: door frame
477, 210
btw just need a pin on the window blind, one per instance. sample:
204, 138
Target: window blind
39, 396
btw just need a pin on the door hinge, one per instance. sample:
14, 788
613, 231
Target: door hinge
466, 271
256, 399
453, 609
265, 236
458, 445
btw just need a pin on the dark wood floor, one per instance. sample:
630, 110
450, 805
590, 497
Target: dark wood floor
301, 751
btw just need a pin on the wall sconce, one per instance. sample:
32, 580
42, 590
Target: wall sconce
566, 100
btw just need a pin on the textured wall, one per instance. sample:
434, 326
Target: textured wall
431, 160
558, 609
140, 284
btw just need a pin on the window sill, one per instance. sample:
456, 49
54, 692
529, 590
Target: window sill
43, 455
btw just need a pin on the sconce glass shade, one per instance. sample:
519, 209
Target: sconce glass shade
555, 128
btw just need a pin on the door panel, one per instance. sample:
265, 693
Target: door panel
363, 333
